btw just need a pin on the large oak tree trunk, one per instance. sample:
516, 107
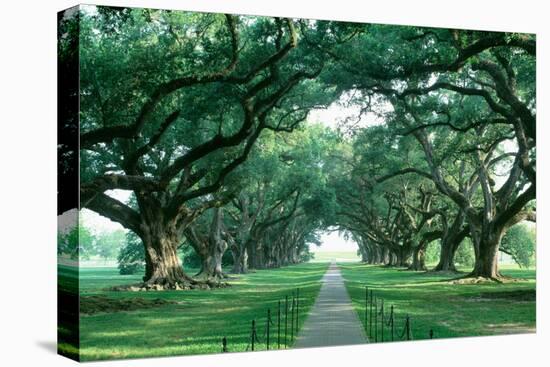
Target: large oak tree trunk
404, 256
368, 254
163, 267
279, 255
400, 257
392, 258
260, 261
365, 255
295, 255
385, 256
240, 259
255, 255
215, 247
447, 255
288, 254
486, 245
211, 266
449, 245
378, 256
419, 259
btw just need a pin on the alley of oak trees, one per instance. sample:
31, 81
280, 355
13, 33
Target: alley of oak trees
204, 118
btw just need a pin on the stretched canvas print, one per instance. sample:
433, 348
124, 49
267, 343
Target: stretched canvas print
237, 183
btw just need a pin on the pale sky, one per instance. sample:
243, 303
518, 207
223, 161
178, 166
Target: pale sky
343, 111
333, 242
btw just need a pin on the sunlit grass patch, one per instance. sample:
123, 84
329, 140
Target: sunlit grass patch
195, 321
450, 310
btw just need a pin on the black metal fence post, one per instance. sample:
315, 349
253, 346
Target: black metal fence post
366, 305
267, 328
392, 324
431, 333
375, 320
286, 321
370, 316
279, 325
408, 327
297, 308
253, 334
383, 321
224, 345
292, 319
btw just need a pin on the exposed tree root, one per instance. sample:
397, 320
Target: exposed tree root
208, 277
181, 285
473, 278
449, 272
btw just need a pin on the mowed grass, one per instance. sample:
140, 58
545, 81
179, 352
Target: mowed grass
338, 256
198, 320
450, 310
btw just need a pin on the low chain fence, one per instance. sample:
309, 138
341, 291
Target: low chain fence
380, 325
279, 329
277, 334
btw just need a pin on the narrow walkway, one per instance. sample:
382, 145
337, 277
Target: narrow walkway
332, 320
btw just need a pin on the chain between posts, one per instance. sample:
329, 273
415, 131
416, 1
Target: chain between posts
376, 320
254, 338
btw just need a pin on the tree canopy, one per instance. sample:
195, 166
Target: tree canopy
206, 119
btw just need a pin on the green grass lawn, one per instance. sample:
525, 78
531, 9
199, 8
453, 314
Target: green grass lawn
196, 320
338, 256
451, 310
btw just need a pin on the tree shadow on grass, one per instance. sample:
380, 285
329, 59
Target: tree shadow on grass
525, 295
